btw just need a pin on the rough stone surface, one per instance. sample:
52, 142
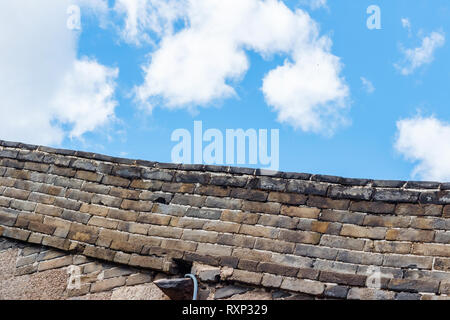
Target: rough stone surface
131, 222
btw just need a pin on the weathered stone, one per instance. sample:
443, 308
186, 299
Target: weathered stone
435, 197
141, 206
151, 218
336, 291
248, 265
304, 286
431, 249
103, 222
83, 233
410, 235
116, 181
107, 284
274, 245
315, 251
360, 258
259, 231
221, 226
274, 268
217, 191
403, 261
200, 236
229, 291
75, 216
299, 236
354, 193
386, 221
156, 174
228, 180
287, 198
146, 185
206, 273
123, 215
84, 165
445, 287
307, 187
389, 195
8, 217
214, 202
189, 200
268, 183
342, 243
442, 264
204, 213
369, 294
300, 212
392, 247
55, 263
189, 177
213, 249
171, 210
178, 187
249, 194
16, 193
60, 171
418, 210
372, 207
138, 278
246, 277
236, 240
428, 223
176, 289
271, 281
67, 204
260, 207
442, 237
41, 228
239, 217
278, 221
342, 216
407, 296
363, 232
165, 232
411, 285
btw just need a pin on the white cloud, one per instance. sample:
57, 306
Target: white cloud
425, 140
315, 4
406, 23
417, 57
200, 63
142, 16
97, 7
368, 85
44, 88
86, 96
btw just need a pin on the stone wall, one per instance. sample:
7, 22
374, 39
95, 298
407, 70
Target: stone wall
278, 234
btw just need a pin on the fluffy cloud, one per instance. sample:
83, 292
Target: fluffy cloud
417, 57
406, 23
143, 16
315, 4
200, 63
86, 96
425, 140
368, 85
46, 93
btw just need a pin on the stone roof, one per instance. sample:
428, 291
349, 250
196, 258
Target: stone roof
294, 231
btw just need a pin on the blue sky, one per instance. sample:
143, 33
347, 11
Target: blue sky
396, 120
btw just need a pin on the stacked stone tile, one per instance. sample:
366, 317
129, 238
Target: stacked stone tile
311, 234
